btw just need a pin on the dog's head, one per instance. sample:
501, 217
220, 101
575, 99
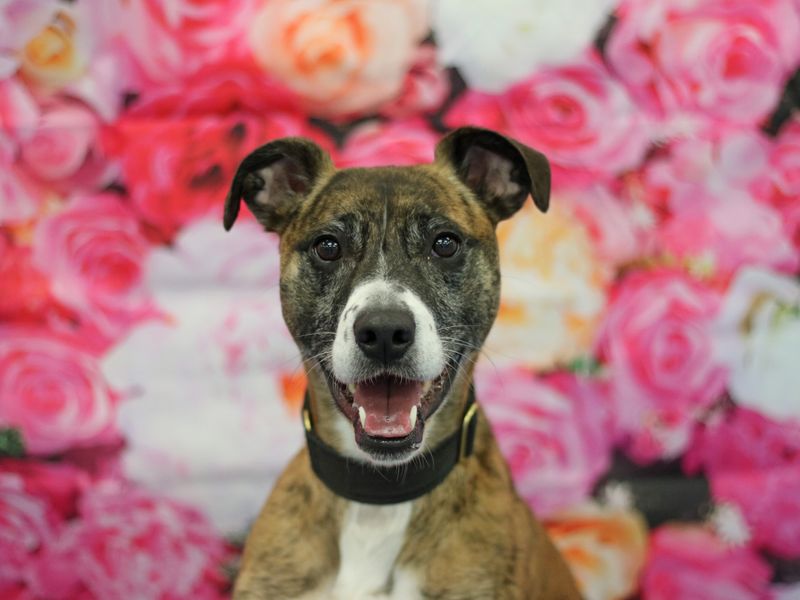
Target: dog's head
389, 277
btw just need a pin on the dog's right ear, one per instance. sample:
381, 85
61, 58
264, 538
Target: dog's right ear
274, 179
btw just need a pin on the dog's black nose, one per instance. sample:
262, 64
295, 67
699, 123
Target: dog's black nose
384, 334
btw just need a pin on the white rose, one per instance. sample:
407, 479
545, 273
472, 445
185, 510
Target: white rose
759, 340
497, 43
204, 415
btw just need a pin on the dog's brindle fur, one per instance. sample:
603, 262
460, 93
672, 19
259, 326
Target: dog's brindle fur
472, 536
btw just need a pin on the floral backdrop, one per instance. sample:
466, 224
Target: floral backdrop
642, 377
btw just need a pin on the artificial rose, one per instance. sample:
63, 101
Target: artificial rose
178, 170
554, 433
20, 21
553, 289
425, 87
63, 147
780, 185
620, 230
699, 63
93, 252
26, 523
128, 544
758, 337
341, 56
51, 389
232, 389
174, 40
753, 463
19, 113
26, 290
494, 45
219, 89
604, 547
723, 164
723, 234
60, 52
689, 561
22, 196
577, 115
392, 143
656, 341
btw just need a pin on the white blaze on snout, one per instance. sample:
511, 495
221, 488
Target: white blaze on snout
426, 353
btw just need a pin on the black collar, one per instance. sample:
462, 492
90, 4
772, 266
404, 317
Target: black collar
371, 484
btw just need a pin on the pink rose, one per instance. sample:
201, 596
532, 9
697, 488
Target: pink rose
391, 143
425, 88
780, 186
578, 115
657, 344
18, 111
93, 251
63, 147
554, 433
698, 63
52, 390
34, 500
728, 233
26, 523
691, 562
171, 41
341, 56
128, 544
620, 230
26, 290
178, 169
754, 463
22, 197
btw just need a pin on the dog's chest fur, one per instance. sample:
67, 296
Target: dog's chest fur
370, 541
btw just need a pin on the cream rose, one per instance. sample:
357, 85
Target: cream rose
759, 340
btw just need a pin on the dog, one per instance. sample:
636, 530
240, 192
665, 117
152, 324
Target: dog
389, 284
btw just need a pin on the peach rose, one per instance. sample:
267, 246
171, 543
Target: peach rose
341, 56
20, 20
604, 547
52, 390
553, 289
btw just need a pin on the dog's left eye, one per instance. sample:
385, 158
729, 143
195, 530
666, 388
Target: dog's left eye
446, 245
327, 248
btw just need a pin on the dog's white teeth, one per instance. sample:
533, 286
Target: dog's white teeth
413, 415
426, 387
362, 416
351, 387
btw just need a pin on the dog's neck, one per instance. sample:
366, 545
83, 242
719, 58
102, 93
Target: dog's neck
372, 483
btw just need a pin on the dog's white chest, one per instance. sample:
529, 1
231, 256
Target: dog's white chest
371, 539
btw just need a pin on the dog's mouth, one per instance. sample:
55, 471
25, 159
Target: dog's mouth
388, 413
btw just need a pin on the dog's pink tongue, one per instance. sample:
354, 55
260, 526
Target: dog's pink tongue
388, 403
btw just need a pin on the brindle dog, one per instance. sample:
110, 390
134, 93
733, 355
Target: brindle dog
389, 285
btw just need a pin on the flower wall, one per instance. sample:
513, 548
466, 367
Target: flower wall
642, 377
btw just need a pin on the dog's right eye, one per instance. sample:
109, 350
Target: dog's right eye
327, 248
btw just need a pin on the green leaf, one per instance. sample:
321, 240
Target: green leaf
11, 444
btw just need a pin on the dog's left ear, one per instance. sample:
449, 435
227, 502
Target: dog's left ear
500, 171
274, 179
